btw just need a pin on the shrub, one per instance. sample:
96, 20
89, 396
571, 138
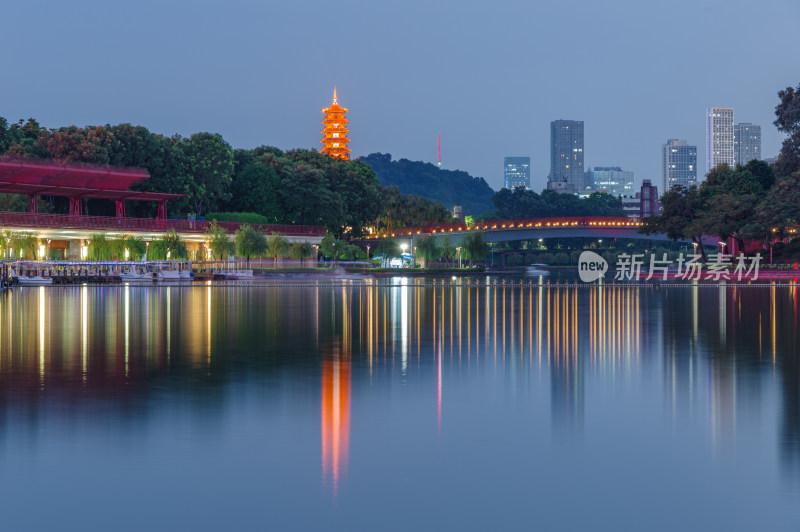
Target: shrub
240, 217
561, 259
514, 260
546, 258
531, 258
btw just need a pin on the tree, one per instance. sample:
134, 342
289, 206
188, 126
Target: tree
209, 161
410, 210
474, 247
680, 207
428, 250
308, 200
219, 242
301, 251
249, 242
447, 249
788, 121
173, 246
135, 247
255, 188
332, 247
99, 248
277, 246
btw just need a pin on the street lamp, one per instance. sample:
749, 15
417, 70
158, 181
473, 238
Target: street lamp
458, 250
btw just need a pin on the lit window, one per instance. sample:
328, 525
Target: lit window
335, 144
336, 135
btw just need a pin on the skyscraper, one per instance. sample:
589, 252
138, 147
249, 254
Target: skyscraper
516, 172
678, 164
719, 137
747, 142
566, 152
613, 180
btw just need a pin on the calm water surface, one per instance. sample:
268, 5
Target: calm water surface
368, 407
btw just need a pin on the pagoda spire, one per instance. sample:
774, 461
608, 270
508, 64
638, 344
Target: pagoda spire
334, 133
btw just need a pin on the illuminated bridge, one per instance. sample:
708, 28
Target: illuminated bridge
507, 230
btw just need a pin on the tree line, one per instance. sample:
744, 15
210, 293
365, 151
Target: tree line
755, 202
288, 187
522, 203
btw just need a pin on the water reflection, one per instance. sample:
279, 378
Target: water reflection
717, 352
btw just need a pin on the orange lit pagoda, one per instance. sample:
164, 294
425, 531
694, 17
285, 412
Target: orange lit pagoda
335, 140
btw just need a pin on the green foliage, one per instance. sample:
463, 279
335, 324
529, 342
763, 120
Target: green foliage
787, 120
428, 249
249, 242
447, 187
157, 250
301, 251
562, 259
277, 246
522, 203
209, 160
171, 246
514, 260
219, 242
474, 247
410, 210
99, 248
352, 252
447, 250
134, 245
240, 217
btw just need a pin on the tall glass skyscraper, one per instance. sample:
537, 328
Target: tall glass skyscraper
747, 142
678, 164
566, 152
719, 137
516, 172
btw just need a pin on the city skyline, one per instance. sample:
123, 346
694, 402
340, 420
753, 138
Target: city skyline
215, 86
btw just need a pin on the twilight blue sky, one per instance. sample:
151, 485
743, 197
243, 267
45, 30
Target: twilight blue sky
488, 76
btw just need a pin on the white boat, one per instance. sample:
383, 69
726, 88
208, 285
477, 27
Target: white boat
168, 275
35, 280
241, 274
537, 269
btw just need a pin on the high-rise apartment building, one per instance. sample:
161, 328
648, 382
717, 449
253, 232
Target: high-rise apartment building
566, 153
613, 180
516, 172
747, 142
719, 137
678, 164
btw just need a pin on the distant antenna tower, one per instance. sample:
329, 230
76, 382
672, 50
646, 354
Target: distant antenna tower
438, 152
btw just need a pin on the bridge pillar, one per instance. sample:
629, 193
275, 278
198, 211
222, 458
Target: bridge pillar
120, 204
31, 203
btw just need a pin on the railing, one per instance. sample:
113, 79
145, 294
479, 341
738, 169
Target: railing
66, 221
508, 225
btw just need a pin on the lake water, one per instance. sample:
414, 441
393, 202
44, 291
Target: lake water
358, 406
